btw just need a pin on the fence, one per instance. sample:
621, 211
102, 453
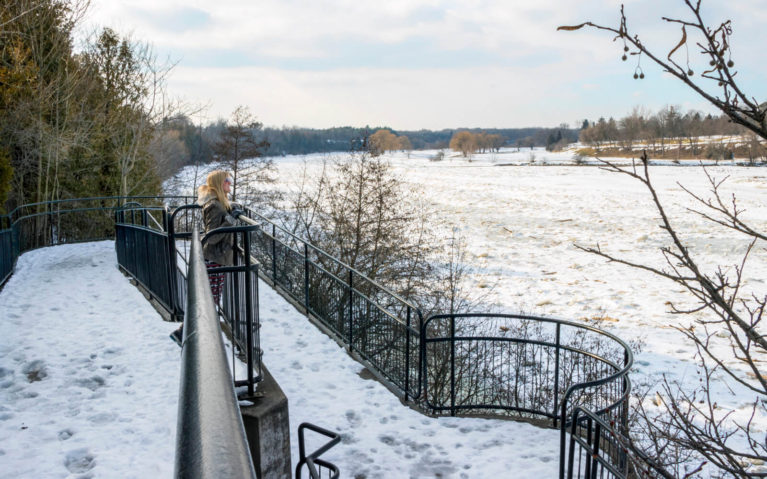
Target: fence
377, 324
473, 364
141, 243
598, 449
496, 365
154, 246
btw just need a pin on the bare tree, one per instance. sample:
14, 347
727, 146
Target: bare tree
239, 142
691, 420
718, 84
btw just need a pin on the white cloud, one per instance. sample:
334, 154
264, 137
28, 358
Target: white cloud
501, 61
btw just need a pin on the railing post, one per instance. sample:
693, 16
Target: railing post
625, 406
556, 375
171, 248
588, 441
407, 355
248, 311
595, 454
571, 456
306, 277
452, 365
274, 254
351, 308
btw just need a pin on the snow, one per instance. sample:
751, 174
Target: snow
89, 379
80, 348
381, 437
97, 406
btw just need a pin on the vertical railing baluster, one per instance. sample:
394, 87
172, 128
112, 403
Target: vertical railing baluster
306, 278
452, 365
351, 308
407, 355
556, 375
248, 312
274, 254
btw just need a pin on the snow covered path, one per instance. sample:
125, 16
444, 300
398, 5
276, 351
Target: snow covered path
89, 387
381, 438
88, 377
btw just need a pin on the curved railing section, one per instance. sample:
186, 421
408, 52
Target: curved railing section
37, 225
318, 468
519, 365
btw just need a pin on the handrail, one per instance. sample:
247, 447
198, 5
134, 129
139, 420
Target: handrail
207, 444
93, 198
328, 255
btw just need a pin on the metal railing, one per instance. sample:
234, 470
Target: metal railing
141, 243
599, 449
492, 365
471, 364
239, 301
37, 225
318, 468
528, 365
153, 246
381, 327
211, 440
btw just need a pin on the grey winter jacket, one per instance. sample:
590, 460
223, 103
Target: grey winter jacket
218, 248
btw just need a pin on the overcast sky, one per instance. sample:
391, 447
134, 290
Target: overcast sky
411, 64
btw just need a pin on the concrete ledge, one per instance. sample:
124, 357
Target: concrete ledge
268, 429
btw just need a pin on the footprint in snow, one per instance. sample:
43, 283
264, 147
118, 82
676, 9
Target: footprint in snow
79, 460
102, 418
35, 370
93, 383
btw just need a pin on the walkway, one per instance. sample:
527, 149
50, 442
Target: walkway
88, 377
89, 383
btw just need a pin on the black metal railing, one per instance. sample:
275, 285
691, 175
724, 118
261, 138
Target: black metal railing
493, 365
211, 440
381, 327
318, 468
37, 225
474, 364
526, 365
141, 243
239, 301
153, 245
598, 448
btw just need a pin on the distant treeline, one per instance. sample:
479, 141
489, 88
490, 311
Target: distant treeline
198, 140
294, 140
672, 133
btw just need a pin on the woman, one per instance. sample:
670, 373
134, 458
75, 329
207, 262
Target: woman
217, 212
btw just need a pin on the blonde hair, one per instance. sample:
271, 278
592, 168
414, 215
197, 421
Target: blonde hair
214, 186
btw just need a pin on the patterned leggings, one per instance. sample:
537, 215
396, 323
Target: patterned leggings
216, 281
